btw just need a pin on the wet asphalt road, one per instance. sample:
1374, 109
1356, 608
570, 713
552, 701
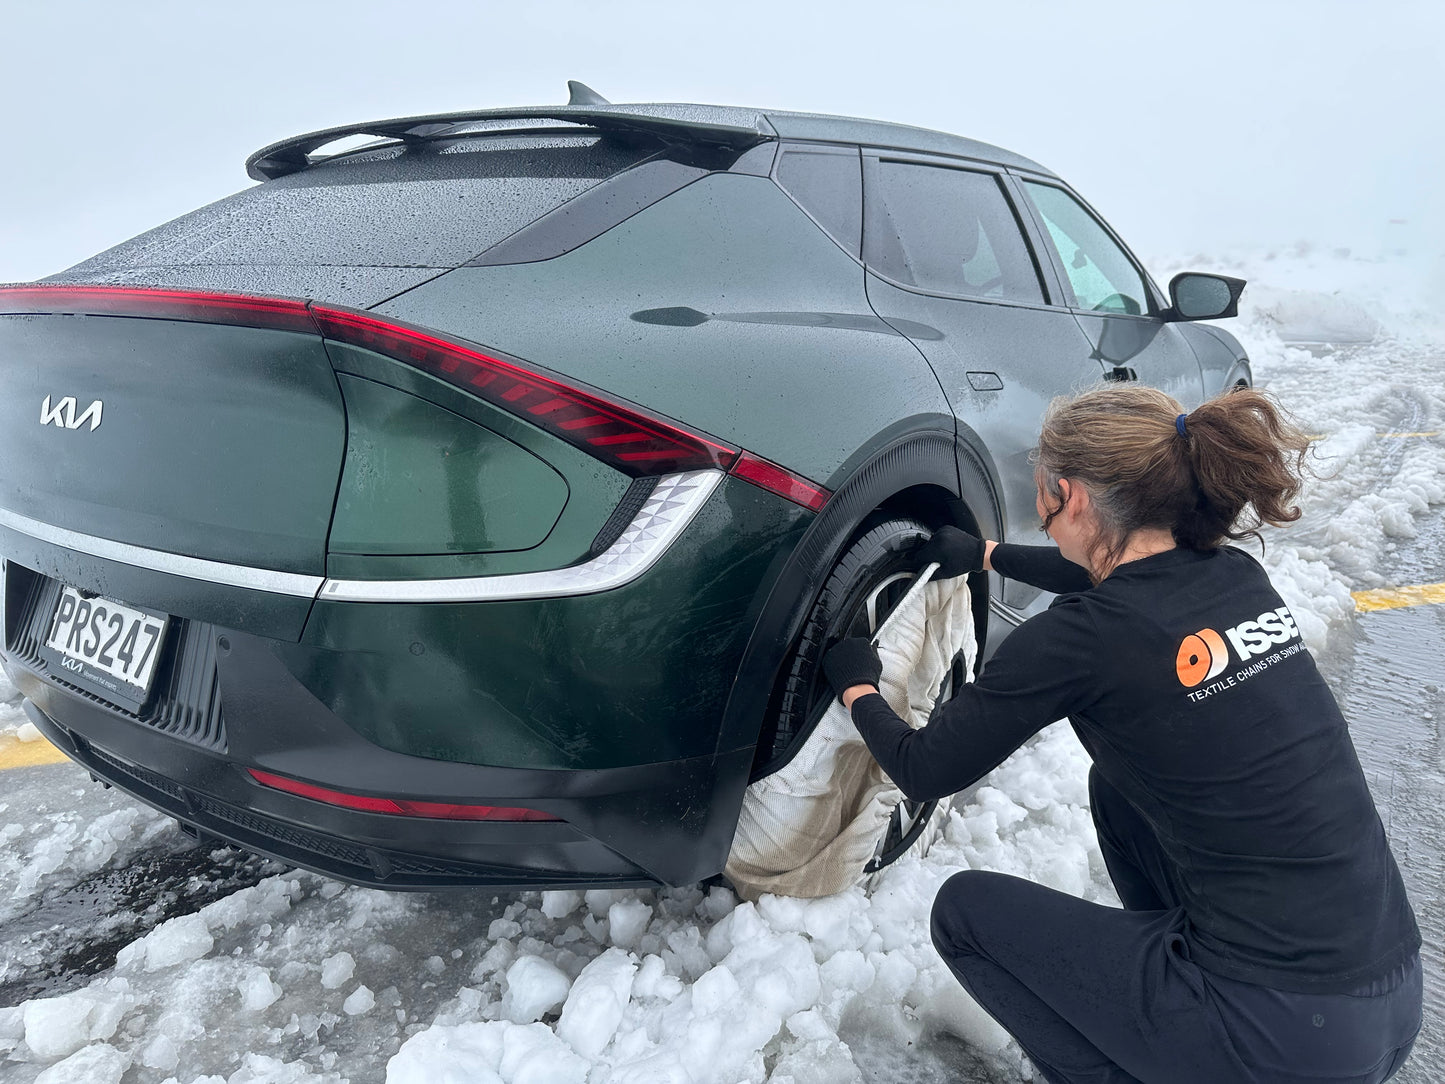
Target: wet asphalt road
1392, 688
1390, 681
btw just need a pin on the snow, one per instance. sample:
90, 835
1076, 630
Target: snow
361, 1002
258, 991
595, 1004
178, 941
13, 724
689, 985
535, 986
98, 1064
335, 970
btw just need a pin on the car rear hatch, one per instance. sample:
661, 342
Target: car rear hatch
158, 449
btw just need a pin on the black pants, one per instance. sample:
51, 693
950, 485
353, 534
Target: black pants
1097, 994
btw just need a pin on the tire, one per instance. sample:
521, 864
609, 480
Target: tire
882, 549
882, 554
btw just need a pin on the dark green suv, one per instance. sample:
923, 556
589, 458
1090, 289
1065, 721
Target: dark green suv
470, 501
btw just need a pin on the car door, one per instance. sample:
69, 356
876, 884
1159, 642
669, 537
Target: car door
948, 266
1117, 307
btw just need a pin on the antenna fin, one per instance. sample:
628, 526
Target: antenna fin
582, 94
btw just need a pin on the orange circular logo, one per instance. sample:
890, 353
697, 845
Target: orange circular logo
1201, 656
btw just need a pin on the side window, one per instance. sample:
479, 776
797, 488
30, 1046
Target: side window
947, 230
827, 183
1103, 277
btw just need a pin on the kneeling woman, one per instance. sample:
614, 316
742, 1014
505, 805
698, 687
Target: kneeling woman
1265, 934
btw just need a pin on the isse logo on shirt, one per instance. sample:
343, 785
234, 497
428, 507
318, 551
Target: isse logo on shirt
1204, 655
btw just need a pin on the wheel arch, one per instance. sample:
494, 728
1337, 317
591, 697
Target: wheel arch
926, 474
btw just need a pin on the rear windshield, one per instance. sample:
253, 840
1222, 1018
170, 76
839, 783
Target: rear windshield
436, 205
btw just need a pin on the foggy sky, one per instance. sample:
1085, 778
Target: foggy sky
1191, 126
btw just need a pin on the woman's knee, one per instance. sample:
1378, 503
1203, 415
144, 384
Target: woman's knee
961, 899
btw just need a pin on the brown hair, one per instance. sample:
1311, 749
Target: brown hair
1237, 465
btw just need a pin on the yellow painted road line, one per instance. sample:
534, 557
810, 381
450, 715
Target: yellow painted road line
1392, 598
27, 754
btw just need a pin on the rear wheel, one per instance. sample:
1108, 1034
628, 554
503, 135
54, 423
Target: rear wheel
871, 577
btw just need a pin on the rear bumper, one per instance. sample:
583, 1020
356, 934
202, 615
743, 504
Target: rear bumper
602, 709
620, 827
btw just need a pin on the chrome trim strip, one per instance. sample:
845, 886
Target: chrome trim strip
671, 507
173, 564
1013, 617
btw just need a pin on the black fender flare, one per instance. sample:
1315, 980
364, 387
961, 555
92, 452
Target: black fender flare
928, 457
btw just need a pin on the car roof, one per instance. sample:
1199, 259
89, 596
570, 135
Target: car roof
829, 128
889, 135
720, 125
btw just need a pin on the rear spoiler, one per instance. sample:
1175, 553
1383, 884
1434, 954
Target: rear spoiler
294, 154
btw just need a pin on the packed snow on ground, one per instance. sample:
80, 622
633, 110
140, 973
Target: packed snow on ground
14, 727
300, 979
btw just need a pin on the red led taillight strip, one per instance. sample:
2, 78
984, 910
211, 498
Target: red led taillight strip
401, 807
623, 435
775, 479
628, 438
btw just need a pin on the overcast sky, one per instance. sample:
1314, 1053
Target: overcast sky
1191, 126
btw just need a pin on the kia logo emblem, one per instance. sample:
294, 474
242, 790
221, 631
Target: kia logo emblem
63, 414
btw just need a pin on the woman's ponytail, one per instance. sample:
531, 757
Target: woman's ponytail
1215, 473
1248, 460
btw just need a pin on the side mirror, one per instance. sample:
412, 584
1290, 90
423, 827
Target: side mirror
1195, 296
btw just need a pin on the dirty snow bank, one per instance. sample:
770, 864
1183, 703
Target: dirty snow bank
685, 985
1307, 293
13, 724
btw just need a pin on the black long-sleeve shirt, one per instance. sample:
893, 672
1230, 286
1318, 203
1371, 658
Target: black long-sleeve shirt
1187, 682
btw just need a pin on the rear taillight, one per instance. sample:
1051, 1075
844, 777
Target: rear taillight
401, 807
624, 435
775, 479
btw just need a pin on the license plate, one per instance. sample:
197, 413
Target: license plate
106, 645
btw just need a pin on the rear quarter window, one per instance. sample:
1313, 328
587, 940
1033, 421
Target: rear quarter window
827, 182
437, 205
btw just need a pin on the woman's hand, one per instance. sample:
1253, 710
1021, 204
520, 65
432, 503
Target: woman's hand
853, 669
956, 552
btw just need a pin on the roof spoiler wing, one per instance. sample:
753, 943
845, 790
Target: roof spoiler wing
294, 154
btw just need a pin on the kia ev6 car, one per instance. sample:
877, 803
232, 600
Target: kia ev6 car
470, 500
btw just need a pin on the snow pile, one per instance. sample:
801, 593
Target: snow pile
1309, 294
1380, 471
60, 846
684, 985
13, 724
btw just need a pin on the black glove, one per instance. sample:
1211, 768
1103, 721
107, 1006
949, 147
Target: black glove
955, 551
852, 662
